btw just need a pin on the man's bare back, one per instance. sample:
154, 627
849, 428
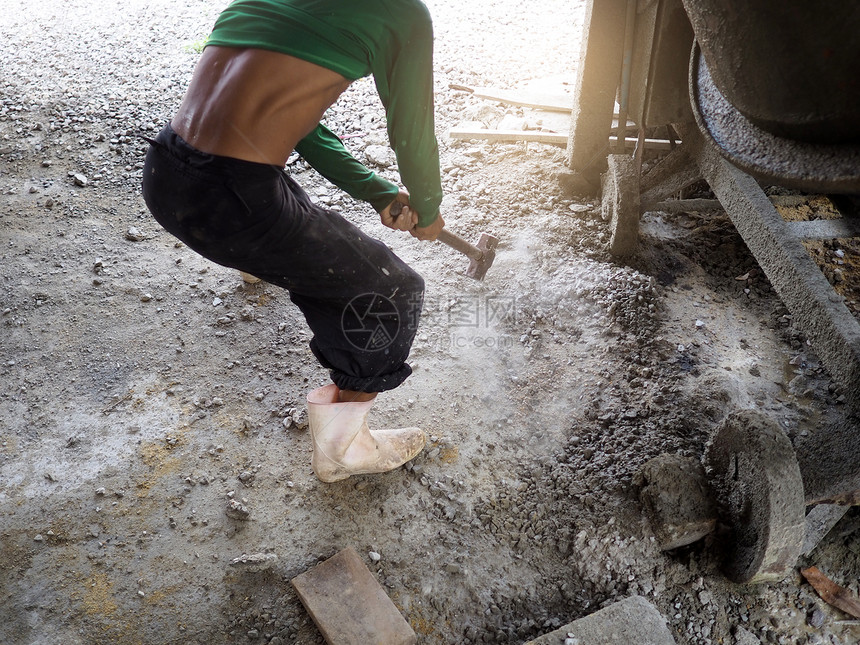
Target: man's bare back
254, 104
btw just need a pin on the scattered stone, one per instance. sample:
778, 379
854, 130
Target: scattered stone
146, 297
374, 556
133, 235
512, 122
381, 156
237, 511
80, 180
677, 500
473, 125
38, 538
798, 385
484, 115
296, 418
744, 637
816, 619
255, 562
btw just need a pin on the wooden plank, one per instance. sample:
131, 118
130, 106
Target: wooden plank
509, 135
819, 521
540, 101
349, 606
554, 138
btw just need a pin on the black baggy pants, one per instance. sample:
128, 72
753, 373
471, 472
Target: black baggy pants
360, 300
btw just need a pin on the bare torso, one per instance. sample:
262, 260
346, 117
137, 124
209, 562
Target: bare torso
254, 104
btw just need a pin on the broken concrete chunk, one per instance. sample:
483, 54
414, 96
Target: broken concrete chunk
237, 510
254, 562
133, 235
677, 500
349, 606
512, 122
381, 156
743, 637
633, 620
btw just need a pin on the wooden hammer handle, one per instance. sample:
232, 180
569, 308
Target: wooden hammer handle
447, 237
459, 244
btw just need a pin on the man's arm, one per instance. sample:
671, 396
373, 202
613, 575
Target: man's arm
325, 152
403, 72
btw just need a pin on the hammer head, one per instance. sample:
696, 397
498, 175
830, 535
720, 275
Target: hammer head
487, 245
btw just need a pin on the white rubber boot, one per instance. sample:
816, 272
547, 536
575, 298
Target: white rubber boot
248, 278
344, 445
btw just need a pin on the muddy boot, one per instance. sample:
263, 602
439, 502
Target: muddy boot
344, 445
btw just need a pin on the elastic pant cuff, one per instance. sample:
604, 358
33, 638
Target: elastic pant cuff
372, 384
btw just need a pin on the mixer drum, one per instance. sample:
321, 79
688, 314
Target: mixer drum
792, 67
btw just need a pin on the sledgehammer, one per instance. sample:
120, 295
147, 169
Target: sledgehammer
480, 256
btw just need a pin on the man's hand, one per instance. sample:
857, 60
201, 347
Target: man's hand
431, 232
398, 215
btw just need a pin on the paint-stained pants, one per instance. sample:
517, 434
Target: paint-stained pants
360, 300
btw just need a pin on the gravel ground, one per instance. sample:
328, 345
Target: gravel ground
151, 404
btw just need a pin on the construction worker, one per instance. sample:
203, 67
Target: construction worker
214, 177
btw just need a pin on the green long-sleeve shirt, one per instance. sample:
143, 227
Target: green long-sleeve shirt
390, 39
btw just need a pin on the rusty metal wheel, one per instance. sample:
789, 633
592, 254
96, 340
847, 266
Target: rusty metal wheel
620, 204
756, 480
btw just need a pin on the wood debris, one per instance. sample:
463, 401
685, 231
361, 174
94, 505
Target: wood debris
832, 593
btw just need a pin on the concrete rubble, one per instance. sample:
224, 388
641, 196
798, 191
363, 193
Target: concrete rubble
632, 620
675, 495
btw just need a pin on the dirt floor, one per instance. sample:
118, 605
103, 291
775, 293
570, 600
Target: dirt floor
152, 423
